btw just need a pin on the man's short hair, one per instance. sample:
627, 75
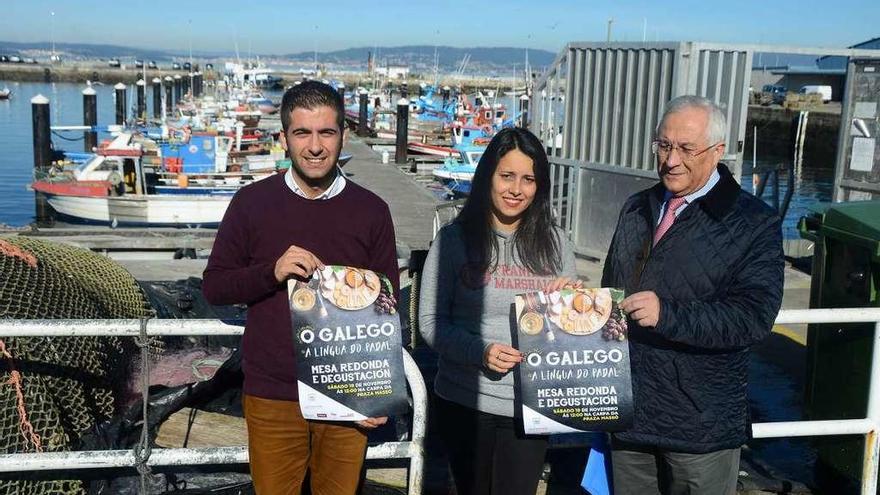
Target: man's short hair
716, 128
311, 95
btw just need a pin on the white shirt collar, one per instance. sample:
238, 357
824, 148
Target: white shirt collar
335, 188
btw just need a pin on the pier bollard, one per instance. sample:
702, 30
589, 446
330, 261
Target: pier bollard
42, 155
178, 88
341, 90
120, 103
169, 102
141, 99
524, 111
404, 90
187, 84
90, 118
445, 93
402, 131
157, 98
362, 130
199, 81
422, 87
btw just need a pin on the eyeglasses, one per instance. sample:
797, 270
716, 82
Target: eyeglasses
663, 148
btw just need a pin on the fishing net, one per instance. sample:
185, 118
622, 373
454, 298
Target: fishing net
54, 390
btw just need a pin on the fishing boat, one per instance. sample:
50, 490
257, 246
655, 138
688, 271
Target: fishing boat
5, 94
457, 174
121, 185
134, 181
463, 137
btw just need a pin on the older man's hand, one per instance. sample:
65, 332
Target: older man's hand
643, 308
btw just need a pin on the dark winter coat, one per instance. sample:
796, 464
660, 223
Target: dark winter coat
718, 273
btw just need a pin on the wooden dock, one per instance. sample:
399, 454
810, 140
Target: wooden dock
412, 205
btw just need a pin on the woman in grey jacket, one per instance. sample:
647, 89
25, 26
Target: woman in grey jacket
503, 243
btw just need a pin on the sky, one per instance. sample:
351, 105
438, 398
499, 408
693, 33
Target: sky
275, 27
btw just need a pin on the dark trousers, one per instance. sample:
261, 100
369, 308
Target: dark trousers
488, 454
644, 470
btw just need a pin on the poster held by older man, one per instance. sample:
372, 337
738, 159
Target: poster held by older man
575, 375
346, 330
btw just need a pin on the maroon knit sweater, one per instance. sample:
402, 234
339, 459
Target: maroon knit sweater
353, 228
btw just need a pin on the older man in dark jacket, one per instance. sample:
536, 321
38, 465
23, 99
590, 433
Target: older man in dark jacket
702, 262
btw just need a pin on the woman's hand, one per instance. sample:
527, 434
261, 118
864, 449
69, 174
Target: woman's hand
371, 423
563, 283
501, 357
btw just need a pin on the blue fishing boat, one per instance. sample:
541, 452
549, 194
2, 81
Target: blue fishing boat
456, 174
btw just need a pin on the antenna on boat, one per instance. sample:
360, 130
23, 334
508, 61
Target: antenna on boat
235, 41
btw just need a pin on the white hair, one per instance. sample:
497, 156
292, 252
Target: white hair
716, 128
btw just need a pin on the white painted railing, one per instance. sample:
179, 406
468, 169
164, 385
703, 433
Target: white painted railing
412, 449
867, 426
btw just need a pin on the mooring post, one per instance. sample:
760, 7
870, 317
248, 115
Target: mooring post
404, 90
445, 92
178, 88
197, 90
90, 118
402, 130
141, 100
362, 114
422, 87
187, 85
42, 155
524, 111
157, 98
341, 90
120, 103
169, 85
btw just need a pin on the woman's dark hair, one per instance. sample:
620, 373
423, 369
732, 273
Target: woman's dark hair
536, 243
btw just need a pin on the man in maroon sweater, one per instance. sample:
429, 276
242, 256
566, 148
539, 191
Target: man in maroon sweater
287, 226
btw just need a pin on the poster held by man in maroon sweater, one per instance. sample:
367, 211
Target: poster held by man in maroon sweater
349, 362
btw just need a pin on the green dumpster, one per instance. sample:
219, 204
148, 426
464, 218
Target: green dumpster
846, 273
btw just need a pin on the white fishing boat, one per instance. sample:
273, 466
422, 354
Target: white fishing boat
116, 187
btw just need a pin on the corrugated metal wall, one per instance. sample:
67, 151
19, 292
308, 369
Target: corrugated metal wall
605, 99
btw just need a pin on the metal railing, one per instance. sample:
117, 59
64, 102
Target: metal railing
412, 449
869, 426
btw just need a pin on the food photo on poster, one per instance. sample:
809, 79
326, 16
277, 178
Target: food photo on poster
575, 375
346, 331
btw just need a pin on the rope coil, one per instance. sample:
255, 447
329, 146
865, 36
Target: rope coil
143, 449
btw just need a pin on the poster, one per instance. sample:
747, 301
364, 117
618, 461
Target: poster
346, 331
575, 375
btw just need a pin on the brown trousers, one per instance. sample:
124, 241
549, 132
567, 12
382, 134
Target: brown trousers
282, 445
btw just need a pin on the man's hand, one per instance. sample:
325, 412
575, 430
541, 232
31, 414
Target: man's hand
643, 308
296, 261
563, 283
371, 423
501, 357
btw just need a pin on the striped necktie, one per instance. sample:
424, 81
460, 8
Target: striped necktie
668, 217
